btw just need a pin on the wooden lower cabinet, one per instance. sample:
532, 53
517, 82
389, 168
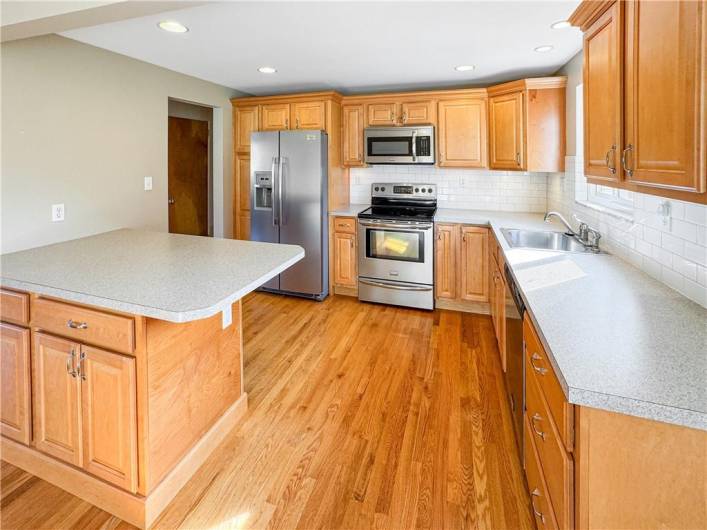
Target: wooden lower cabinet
474, 263
461, 265
345, 259
15, 406
446, 258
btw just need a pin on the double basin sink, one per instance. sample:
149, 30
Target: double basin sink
540, 240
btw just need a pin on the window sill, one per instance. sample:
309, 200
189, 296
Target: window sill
626, 215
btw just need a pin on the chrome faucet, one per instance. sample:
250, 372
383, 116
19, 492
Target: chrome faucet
551, 214
588, 236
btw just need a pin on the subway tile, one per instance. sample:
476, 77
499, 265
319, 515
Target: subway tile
694, 291
672, 243
684, 230
685, 267
696, 253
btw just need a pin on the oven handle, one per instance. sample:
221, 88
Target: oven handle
426, 226
395, 287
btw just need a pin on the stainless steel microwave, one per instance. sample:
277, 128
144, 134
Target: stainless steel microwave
399, 145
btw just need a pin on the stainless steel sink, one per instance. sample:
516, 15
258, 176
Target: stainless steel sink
542, 240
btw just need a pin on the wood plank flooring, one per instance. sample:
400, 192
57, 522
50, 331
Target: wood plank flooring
361, 416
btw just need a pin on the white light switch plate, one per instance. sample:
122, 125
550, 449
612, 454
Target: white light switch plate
57, 212
148, 183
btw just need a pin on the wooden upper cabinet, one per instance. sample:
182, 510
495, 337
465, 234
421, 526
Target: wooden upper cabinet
246, 122
602, 96
353, 135
417, 112
275, 117
665, 117
109, 416
56, 398
243, 172
15, 378
446, 256
384, 113
506, 131
474, 263
243, 226
461, 133
309, 115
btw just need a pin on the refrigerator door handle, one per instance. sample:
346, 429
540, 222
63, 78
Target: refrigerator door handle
274, 183
280, 185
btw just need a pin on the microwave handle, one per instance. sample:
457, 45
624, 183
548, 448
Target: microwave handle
414, 146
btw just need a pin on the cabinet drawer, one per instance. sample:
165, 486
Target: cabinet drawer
14, 307
345, 224
540, 370
541, 505
555, 464
115, 332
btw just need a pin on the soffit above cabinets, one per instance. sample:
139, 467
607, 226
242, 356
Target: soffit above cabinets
352, 47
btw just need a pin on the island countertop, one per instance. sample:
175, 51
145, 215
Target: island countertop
170, 277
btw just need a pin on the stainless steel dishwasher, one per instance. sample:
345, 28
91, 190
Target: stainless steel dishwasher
514, 376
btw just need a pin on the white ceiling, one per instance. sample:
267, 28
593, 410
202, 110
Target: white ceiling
349, 46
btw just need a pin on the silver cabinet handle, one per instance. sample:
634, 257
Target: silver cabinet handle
518, 158
537, 417
296, 123
70, 363
536, 493
80, 370
539, 369
610, 153
76, 325
628, 171
405, 117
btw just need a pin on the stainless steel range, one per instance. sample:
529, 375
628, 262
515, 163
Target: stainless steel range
396, 245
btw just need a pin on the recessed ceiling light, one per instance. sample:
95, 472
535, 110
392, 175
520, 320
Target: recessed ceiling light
266, 70
173, 26
562, 24
464, 68
544, 49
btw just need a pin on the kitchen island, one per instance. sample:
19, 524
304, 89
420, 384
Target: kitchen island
122, 360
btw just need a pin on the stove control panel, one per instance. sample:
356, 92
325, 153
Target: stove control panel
404, 190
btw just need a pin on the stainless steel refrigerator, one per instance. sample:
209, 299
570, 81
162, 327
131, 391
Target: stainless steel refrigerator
288, 179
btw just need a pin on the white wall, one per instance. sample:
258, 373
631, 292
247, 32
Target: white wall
469, 189
82, 126
573, 71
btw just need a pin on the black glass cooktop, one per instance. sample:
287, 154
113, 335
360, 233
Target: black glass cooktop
405, 213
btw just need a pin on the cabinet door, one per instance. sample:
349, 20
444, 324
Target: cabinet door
243, 228
109, 414
353, 135
602, 96
382, 113
309, 115
507, 131
56, 397
462, 133
474, 263
243, 174
15, 391
665, 95
275, 117
446, 255
417, 112
246, 122
345, 259
501, 316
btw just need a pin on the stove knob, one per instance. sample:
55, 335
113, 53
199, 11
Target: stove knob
376, 188
383, 188
417, 190
429, 190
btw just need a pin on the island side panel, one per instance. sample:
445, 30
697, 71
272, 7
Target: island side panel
193, 377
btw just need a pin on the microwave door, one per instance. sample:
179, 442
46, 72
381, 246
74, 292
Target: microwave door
387, 149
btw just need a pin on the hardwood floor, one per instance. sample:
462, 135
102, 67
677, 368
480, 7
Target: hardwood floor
361, 416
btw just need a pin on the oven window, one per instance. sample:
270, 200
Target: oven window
392, 146
395, 245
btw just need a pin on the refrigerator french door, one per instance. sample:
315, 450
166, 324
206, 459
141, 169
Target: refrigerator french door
289, 205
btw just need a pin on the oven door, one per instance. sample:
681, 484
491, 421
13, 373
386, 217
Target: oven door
395, 251
399, 145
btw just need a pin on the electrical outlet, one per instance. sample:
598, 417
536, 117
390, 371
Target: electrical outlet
57, 212
148, 183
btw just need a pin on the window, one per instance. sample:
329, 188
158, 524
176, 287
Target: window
594, 195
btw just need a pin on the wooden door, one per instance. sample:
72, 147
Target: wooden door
246, 120
665, 95
15, 392
384, 113
345, 260
56, 398
474, 263
275, 117
109, 415
507, 131
462, 133
602, 96
446, 255
188, 176
309, 115
417, 112
353, 135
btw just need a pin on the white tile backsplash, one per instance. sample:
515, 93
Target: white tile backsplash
674, 253
467, 189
